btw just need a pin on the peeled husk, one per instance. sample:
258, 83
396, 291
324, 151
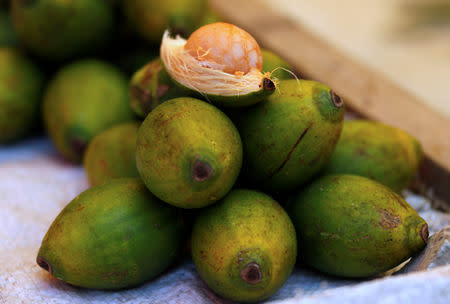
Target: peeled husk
205, 77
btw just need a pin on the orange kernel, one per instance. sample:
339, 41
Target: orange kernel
225, 47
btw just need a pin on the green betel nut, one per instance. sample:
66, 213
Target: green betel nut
112, 154
116, 235
351, 226
188, 153
82, 100
58, 30
244, 247
377, 151
21, 85
150, 86
290, 136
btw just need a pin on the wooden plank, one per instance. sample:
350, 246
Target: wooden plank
364, 90
376, 33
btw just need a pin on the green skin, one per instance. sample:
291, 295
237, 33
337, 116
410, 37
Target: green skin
246, 227
189, 153
272, 63
59, 30
354, 227
150, 86
289, 137
21, 85
151, 18
82, 100
112, 154
7, 34
377, 151
138, 235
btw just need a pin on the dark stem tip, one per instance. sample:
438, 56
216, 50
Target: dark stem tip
268, 84
251, 273
43, 264
424, 232
337, 101
201, 171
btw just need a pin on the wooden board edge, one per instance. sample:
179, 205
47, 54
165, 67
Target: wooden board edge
366, 91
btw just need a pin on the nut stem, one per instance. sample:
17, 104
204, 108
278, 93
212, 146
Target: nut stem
201, 171
251, 273
424, 232
43, 263
268, 84
337, 101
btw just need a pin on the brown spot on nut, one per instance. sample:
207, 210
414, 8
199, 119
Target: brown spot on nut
388, 220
